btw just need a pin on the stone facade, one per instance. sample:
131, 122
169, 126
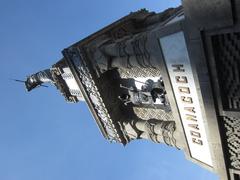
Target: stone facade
169, 77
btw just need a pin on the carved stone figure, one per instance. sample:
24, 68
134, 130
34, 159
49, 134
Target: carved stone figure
95, 58
157, 131
151, 93
129, 52
156, 89
133, 49
137, 97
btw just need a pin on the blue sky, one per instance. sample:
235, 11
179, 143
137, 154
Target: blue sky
44, 138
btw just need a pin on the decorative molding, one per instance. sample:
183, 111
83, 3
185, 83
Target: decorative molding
94, 96
152, 113
227, 58
139, 72
61, 85
232, 128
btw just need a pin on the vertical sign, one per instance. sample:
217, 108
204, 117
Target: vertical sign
181, 75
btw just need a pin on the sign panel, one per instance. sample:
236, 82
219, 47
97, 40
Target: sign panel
185, 91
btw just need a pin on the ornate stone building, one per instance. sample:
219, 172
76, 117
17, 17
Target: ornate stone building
171, 77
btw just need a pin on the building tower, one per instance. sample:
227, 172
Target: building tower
171, 77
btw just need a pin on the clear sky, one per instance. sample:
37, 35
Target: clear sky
44, 138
